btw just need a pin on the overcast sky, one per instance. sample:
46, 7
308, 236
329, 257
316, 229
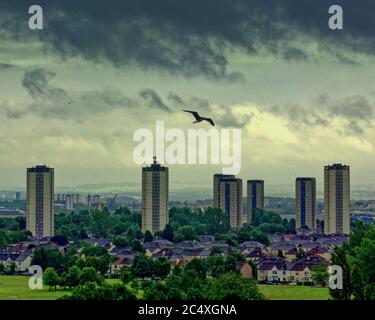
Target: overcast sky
302, 94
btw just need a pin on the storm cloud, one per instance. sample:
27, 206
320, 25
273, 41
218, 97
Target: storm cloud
195, 38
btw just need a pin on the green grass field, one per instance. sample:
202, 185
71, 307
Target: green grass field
16, 288
284, 292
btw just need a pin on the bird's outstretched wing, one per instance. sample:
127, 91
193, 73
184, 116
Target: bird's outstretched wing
210, 121
194, 113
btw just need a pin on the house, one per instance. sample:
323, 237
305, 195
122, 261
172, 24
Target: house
271, 269
251, 245
245, 270
291, 255
300, 272
7, 258
282, 247
254, 255
120, 262
159, 253
157, 244
320, 252
23, 261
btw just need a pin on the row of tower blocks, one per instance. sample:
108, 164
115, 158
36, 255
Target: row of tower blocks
227, 196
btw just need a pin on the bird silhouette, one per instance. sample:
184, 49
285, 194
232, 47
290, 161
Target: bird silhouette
198, 118
70, 102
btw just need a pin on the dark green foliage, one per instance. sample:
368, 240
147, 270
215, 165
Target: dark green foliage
12, 230
148, 236
320, 274
198, 266
92, 291
50, 277
357, 259
168, 233
126, 274
47, 257
142, 266
121, 224
89, 274
162, 267
231, 286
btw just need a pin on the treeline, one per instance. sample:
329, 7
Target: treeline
215, 278
99, 223
185, 224
12, 230
123, 227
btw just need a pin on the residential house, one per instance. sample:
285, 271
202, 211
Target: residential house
245, 270
23, 261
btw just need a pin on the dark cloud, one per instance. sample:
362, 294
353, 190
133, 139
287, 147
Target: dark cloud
194, 38
153, 100
37, 83
50, 101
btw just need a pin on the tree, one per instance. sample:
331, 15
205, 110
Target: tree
50, 278
162, 267
339, 258
178, 237
216, 251
320, 274
168, 233
73, 277
92, 291
93, 251
148, 236
100, 223
4, 239
126, 274
188, 232
142, 266
136, 246
365, 262
63, 280
198, 266
215, 265
231, 286
47, 257
89, 274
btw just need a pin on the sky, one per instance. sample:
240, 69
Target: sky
73, 94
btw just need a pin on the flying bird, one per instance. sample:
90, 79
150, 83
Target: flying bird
198, 118
70, 102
